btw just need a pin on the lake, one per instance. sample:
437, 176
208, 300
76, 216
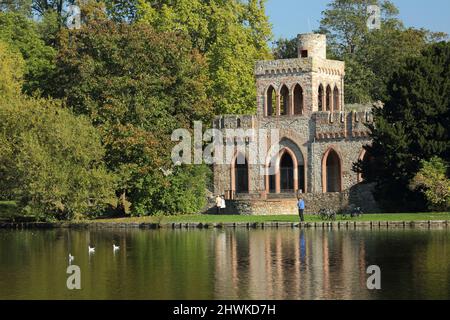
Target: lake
225, 264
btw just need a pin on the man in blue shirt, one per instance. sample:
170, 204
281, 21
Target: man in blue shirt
301, 208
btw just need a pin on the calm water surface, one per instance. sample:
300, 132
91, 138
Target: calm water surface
225, 264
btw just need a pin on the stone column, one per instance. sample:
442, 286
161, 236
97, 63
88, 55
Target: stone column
278, 107
291, 104
265, 106
295, 177
331, 100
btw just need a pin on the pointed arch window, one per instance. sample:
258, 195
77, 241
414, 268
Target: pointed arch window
298, 100
336, 103
328, 99
320, 97
271, 101
284, 102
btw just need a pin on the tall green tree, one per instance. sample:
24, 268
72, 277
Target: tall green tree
370, 53
413, 126
11, 71
371, 56
51, 162
345, 23
21, 34
433, 181
18, 6
137, 85
231, 34
285, 48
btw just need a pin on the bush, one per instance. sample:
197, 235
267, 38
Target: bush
433, 182
51, 161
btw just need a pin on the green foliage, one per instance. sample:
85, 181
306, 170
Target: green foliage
344, 22
358, 81
18, 6
231, 34
182, 191
11, 71
371, 57
136, 85
432, 180
285, 49
51, 161
21, 34
413, 126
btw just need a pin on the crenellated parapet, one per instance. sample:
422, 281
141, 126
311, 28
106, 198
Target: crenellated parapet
330, 125
234, 122
359, 121
337, 125
300, 65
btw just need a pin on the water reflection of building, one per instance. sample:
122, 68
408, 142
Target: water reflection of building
288, 264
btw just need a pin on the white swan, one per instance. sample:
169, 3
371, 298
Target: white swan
91, 249
71, 258
115, 248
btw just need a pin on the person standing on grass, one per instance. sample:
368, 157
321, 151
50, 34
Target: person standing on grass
218, 203
222, 203
301, 209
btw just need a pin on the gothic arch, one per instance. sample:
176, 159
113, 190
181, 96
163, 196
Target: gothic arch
240, 174
271, 101
321, 98
274, 182
298, 99
336, 99
284, 101
332, 167
328, 99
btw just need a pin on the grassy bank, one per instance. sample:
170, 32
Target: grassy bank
252, 219
8, 210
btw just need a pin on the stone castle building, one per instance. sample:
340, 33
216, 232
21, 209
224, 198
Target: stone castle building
320, 138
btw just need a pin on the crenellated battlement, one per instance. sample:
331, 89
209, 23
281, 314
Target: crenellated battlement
334, 125
234, 122
300, 65
327, 125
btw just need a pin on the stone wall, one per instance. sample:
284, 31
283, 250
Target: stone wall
344, 132
357, 196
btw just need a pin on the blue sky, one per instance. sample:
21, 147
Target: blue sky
291, 17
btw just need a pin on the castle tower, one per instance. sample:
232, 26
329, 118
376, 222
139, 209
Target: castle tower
312, 45
301, 86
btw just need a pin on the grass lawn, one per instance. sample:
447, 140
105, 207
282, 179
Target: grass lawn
8, 209
259, 219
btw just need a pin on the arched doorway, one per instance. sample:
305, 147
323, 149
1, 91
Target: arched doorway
286, 173
289, 172
331, 172
241, 176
